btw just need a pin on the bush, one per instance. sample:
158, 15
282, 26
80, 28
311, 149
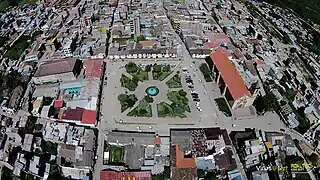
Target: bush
127, 101
129, 83
149, 99
182, 92
49, 147
141, 38
157, 68
131, 67
166, 68
148, 67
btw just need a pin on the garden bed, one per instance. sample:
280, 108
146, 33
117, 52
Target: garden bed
127, 101
177, 108
142, 110
160, 72
223, 106
206, 72
130, 84
174, 82
115, 154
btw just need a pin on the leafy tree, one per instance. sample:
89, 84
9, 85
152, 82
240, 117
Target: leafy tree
182, 92
141, 38
135, 79
123, 97
184, 100
156, 68
131, 67
290, 94
266, 103
166, 68
148, 67
149, 99
49, 147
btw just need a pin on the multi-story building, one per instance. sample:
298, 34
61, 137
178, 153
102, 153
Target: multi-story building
231, 85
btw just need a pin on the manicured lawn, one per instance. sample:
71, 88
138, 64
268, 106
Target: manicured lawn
223, 106
174, 82
142, 110
115, 154
177, 108
160, 72
206, 72
181, 101
164, 110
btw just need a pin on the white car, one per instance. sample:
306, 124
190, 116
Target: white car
205, 92
200, 109
200, 80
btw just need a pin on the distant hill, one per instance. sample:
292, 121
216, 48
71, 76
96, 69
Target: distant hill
4, 4
307, 9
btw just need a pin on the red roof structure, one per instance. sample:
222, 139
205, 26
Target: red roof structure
181, 161
93, 67
229, 74
58, 103
114, 175
88, 117
218, 38
72, 114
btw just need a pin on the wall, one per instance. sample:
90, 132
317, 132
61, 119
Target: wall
54, 78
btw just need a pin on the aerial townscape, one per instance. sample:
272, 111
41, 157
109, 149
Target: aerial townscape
159, 90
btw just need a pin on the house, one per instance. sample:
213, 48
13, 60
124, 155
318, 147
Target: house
59, 70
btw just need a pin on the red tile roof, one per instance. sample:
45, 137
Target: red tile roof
114, 175
157, 140
88, 117
146, 43
93, 67
58, 103
181, 161
72, 114
229, 74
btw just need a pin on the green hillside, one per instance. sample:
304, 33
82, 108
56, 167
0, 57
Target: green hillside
4, 4
307, 9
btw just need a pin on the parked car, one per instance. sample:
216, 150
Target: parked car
190, 86
196, 96
197, 100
